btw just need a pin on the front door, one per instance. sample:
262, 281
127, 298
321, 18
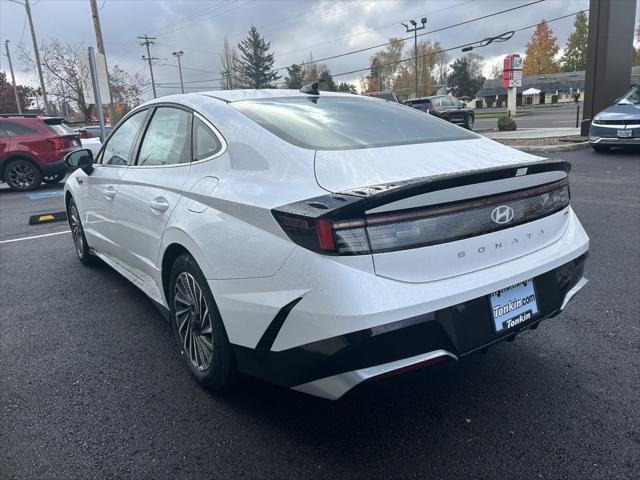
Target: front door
150, 190
100, 188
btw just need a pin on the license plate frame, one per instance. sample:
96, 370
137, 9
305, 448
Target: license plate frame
513, 306
624, 133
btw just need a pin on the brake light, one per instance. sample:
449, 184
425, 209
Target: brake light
58, 143
360, 233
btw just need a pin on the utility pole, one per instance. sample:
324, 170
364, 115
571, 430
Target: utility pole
37, 55
178, 55
148, 41
13, 78
100, 44
415, 29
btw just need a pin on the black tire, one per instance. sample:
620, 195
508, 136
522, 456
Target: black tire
197, 326
22, 175
79, 240
600, 148
468, 121
55, 178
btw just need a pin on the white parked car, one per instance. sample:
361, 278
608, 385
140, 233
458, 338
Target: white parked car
321, 240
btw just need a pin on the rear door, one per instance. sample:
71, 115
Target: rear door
151, 188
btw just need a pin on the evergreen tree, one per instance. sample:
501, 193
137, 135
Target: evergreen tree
575, 53
465, 78
256, 62
540, 51
346, 87
326, 80
294, 78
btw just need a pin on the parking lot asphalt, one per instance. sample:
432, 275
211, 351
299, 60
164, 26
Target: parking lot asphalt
92, 385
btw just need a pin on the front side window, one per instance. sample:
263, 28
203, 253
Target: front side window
341, 123
167, 139
205, 142
117, 151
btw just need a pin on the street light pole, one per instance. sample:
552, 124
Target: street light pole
37, 55
415, 29
178, 55
13, 78
100, 44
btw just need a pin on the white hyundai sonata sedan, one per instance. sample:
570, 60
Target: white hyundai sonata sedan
319, 240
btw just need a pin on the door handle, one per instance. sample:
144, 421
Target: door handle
109, 193
159, 204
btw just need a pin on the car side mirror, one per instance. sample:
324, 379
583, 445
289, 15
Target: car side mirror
82, 158
463, 104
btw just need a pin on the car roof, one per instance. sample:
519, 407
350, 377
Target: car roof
244, 94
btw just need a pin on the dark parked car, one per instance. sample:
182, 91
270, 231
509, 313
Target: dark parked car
386, 95
619, 124
32, 150
446, 107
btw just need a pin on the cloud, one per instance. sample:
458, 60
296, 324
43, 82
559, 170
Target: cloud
295, 29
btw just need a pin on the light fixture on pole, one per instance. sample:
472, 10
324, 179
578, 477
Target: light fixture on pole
415, 29
178, 55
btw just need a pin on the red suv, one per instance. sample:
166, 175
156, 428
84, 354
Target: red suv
32, 150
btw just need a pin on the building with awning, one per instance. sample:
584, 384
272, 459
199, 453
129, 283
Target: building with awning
562, 87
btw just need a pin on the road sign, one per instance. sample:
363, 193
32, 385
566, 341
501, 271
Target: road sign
102, 79
512, 71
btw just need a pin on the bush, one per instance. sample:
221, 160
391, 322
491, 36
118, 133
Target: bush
507, 124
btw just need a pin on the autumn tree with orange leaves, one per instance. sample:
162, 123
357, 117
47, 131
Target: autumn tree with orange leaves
540, 51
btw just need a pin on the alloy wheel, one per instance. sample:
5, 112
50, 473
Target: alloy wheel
21, 175
193, 321
76, 230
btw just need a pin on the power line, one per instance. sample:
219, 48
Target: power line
167, 85
352, 52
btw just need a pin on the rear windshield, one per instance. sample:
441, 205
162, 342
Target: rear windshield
57, 125
344, 123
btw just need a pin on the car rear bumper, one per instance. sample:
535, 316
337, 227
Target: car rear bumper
330, 367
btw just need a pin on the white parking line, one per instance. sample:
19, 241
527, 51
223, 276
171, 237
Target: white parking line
34, 236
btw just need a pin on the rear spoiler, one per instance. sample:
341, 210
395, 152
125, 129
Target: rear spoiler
349, 203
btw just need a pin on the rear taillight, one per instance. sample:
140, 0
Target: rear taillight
340, 232
430, 110
58, 143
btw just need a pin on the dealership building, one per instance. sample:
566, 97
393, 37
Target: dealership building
560, 87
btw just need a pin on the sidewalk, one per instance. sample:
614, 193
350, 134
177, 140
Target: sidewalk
540, 139
528, 133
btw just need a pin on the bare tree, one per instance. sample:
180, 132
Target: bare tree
311, 70
63, 73
126, 91
229, 67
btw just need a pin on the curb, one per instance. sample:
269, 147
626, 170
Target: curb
551, 148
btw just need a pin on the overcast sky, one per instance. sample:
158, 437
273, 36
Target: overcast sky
295, 28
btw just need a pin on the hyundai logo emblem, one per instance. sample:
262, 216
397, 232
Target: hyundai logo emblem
502, 214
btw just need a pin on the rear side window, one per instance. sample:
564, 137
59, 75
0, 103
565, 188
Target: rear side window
167, 140
205, 142
11, 129
117, 151
342, 123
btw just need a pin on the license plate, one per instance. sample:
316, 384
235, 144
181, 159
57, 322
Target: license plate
625, 133
513, 305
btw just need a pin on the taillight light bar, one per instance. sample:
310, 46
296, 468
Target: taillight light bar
366, 234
